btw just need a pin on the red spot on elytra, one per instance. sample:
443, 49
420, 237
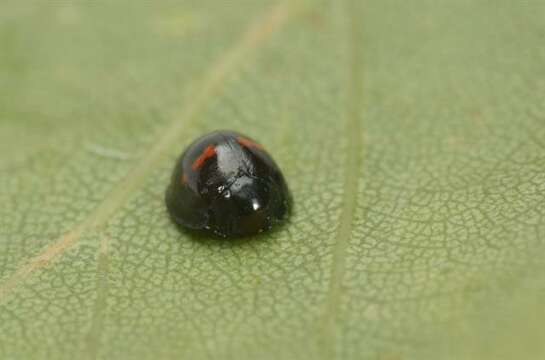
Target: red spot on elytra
209, 152
249, 143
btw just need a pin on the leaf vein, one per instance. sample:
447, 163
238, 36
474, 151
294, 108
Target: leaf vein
353, 165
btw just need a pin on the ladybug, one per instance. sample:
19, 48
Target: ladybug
226, 183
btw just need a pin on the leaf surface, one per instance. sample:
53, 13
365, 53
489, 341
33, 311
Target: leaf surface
412, 137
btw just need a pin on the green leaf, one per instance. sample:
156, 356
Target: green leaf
412, 136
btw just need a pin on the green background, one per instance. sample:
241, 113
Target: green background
412, 135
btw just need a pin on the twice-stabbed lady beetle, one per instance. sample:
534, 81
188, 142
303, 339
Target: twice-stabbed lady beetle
227, 184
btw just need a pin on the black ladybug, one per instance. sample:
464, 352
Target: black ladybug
226, 183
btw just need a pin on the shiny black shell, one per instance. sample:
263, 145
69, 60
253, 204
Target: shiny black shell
227, 184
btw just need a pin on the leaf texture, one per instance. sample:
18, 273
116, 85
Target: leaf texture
412, 137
